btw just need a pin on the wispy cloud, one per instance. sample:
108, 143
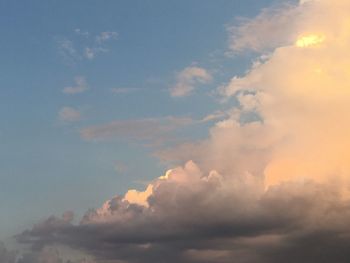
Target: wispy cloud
188, 79
81, 32
273, 27
69, 114
80, 86
85, 45
67, 50
106, 36
151, 130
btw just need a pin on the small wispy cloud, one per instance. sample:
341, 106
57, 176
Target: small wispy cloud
67, 50
81, 32
84, 45
80, 86
105, 36
69, 114
146, 130
91, 53
124, 90
188, 79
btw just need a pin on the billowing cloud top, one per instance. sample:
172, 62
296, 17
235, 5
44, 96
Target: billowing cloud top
274, 189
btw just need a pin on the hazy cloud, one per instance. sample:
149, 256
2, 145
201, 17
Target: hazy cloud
188, 79
106, 36
147, 130
85, 45
80, 86
69, 114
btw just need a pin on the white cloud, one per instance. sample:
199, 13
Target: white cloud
80, 86
188, 79
69, 114
106, 36
272, 28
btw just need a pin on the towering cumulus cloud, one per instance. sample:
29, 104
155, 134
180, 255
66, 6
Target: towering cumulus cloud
273, 188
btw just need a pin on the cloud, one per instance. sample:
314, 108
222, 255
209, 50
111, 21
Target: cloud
186, 216
272, 28
187, 80
263, 190
7, 256
91, 53
154, 130
84, 45
81, 32
69, 114
80, 86
106, 36
67, 50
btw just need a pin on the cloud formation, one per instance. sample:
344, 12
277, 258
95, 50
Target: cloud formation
69, 114
80, 86
149, 130
268, 189
188, 79
85, 45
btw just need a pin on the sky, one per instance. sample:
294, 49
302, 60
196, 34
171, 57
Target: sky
182, 131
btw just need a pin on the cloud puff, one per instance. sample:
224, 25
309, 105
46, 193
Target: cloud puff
264, 190
187, 80
80, 86
69, 114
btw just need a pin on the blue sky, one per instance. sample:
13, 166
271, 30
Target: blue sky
46, 166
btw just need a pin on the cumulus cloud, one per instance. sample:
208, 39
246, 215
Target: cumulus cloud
80, 86
69, 114
267, 190
188, 79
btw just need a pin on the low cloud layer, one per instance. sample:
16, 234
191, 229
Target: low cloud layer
274, 188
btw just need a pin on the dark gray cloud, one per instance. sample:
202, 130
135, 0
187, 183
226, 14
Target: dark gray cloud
193, 217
